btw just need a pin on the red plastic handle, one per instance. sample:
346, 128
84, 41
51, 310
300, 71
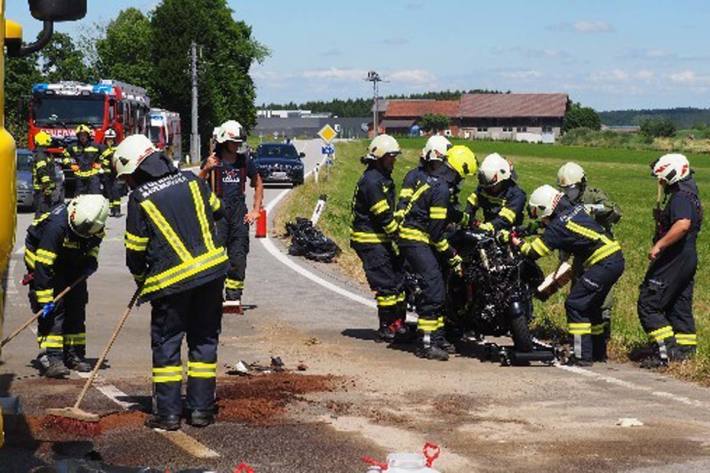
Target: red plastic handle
373, 462
243, 468
431, 453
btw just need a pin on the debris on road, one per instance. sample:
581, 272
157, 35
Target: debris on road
312, 341
310, 242
277, 363
302, 367
629, 422
407, 462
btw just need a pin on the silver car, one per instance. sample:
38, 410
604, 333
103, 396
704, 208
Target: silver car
23, 180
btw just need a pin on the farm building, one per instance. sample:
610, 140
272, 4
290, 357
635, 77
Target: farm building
401, 115
521, 117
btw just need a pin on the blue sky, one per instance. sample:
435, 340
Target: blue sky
607, 54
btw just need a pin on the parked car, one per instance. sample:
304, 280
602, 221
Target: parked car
279, 163
23, 180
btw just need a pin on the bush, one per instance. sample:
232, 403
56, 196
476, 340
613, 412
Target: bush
658, 127
434, 123
581, 117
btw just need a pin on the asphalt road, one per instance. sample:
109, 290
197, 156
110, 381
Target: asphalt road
484, 416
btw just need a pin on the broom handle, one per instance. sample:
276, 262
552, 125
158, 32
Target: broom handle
101, 359
32, 319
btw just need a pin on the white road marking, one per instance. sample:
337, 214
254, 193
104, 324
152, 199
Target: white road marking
180, 439
271, 248
20, 251
189, 444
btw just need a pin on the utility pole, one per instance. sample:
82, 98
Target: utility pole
375, 78
194, 134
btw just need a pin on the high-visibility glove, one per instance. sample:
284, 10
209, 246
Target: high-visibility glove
503, 236
455, 264
47, 309
488, 227
74, 168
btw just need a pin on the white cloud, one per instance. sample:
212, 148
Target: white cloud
593, 27
522, 75
583, 26
645, 74
335, 73
684, 77
614, 75
411, 76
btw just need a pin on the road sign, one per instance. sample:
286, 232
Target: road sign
327, 133
328, 149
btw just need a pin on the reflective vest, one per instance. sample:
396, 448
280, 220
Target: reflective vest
170, 239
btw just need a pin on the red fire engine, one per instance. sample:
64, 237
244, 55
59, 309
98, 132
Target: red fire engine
59, 108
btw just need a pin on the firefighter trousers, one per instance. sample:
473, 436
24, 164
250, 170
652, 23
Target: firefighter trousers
112, 191
43, 203
584, 307
665, 304
383, 270
425, 264
233, 234
88, 185
62, 333
197, 314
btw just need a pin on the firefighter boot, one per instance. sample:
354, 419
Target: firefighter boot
582, 349
440, 340
74, 362
388, 324
661, 350
430, 351
200, 418
55, 369
169, 422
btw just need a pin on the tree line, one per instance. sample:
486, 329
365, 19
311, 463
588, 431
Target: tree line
152, 51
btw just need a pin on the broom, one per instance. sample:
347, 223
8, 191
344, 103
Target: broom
32, 319
73, 418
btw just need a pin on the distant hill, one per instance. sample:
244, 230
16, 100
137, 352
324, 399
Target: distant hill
686, 117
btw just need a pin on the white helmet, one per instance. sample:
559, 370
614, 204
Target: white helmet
110, 134
230, 130
436, 148
570, 174
671, 168
87, 214
131, 153
494, 169
543, 201
381, 146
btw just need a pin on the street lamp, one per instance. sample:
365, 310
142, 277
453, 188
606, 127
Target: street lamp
375, 78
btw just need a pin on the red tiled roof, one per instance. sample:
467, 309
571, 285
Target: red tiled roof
419, 108
513, 105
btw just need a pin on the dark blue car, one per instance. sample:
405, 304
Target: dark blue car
279, 163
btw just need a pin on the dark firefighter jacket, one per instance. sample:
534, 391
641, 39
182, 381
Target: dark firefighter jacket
44, 173
502, 211
574, 231
105, 160
373, 209
170, 238
425, 217
51, 247
88, 158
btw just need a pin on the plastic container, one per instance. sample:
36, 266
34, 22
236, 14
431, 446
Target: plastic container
261, 224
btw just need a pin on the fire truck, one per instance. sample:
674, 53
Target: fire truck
47, 11
165, 132
59, 108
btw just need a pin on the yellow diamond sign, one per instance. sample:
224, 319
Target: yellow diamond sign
327, 133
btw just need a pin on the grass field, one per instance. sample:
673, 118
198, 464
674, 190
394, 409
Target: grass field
624, 174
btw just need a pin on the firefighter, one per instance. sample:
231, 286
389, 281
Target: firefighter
62, 246
498, 195
227, 170
112, 187
665, 304
436, 144
85, 160
372, 233
568, 227
174, 255
424, 244
572, 181
44, 176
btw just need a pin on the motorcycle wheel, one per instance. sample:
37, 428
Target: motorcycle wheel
521, 334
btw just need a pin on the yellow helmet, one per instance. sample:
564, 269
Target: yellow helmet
43, 139
83, 129
462, 160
